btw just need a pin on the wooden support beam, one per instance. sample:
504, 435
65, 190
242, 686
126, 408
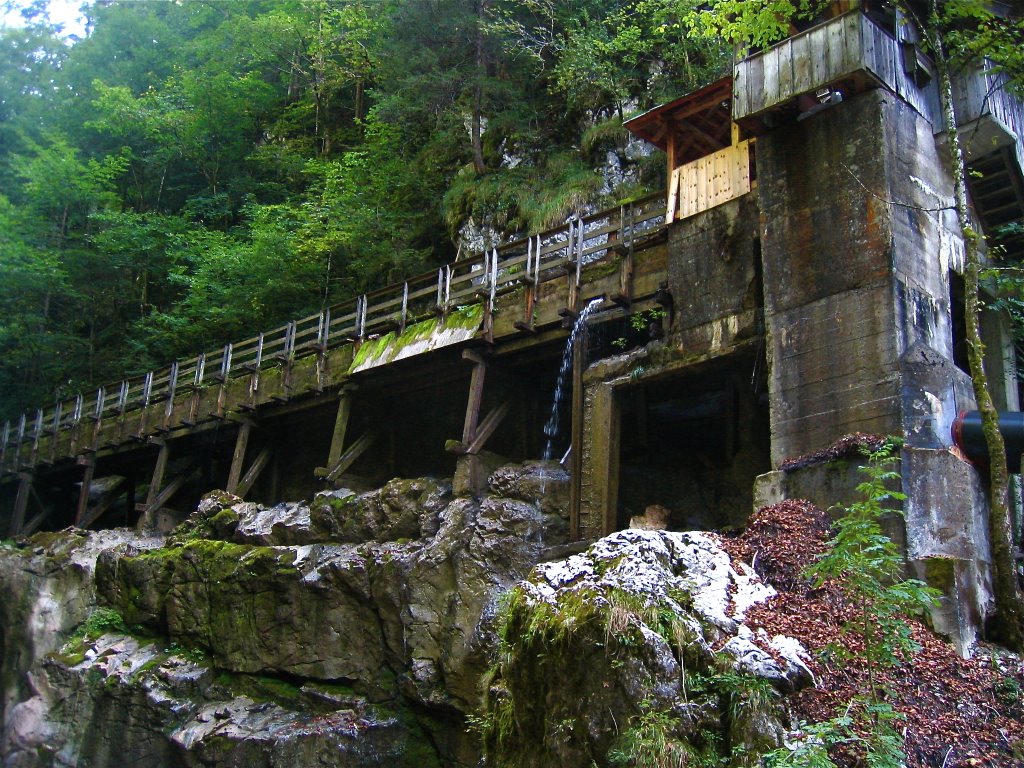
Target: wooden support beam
357, 449
83, 494
105, 502
476, 396
34, 524
241, 442
253, 474
172, 488
340, 427
21, 503
159, 469
487, 427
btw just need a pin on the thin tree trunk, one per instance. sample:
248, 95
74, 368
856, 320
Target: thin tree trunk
478, 95
1008, 599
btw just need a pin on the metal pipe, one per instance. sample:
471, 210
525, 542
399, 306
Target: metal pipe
969, 436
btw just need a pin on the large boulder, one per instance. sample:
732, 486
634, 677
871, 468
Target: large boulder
646, 628
47, 590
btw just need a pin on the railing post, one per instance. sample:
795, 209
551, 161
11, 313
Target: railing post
172, 386
259, 353
101, 400
405, 306
200, 371
322, 338
37, 432
21, 438
579, 253
320, 329
447, 287
289, 341
3, 444
361, 318
58, 413
536, 265
147, 389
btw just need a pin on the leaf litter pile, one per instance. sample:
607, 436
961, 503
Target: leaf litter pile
955, 711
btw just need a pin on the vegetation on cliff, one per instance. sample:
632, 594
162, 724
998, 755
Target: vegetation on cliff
189, 173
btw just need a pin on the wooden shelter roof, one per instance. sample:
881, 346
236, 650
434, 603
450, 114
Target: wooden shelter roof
699, 123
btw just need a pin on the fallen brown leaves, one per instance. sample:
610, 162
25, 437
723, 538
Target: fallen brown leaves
956, 712
845, 447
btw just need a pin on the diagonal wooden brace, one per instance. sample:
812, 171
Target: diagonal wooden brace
357, 449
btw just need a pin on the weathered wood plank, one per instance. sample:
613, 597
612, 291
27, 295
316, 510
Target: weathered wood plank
158, 473
246, 483
238, 457
357, 449
770, 62
487, 427
785, 54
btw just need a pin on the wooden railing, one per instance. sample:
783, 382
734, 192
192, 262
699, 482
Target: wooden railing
481, 279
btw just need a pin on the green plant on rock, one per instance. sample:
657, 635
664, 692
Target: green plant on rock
652, 741
867, 567
99, 622
642, 319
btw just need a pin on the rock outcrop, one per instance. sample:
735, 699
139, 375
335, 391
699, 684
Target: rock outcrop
362, 630
636, 645
378, 594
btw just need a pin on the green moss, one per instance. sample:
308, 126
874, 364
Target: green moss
370, 349
600, 269
262, 688
99, 622
467, 318
940, 574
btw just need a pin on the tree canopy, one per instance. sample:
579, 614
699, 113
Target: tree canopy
187, 172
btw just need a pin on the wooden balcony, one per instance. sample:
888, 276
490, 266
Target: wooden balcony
990, 121
850, 53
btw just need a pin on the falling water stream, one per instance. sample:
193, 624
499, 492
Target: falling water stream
552, 426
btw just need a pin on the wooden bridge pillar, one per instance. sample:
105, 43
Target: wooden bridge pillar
21, 502
241, 443
83, 494
340, 458
476, 432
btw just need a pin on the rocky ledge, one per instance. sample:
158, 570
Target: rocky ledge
398, 627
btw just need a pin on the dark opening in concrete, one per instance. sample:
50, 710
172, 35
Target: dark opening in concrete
693, 442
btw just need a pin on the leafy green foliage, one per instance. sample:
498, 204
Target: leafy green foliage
99, 622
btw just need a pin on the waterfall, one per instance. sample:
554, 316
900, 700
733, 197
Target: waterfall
552, 426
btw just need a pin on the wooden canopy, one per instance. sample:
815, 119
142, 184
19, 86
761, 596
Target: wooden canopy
689, 127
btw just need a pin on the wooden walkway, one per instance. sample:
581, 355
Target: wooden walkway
295, 359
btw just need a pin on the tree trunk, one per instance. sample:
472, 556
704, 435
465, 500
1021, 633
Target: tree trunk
1009, 627
476, 131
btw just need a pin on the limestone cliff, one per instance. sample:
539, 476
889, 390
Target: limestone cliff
370, 629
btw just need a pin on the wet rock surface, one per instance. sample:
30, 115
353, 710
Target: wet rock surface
369, 605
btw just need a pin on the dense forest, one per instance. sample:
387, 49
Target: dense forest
187, 173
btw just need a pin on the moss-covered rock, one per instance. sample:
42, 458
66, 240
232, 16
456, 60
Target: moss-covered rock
632, 628
147, 706
401, 509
